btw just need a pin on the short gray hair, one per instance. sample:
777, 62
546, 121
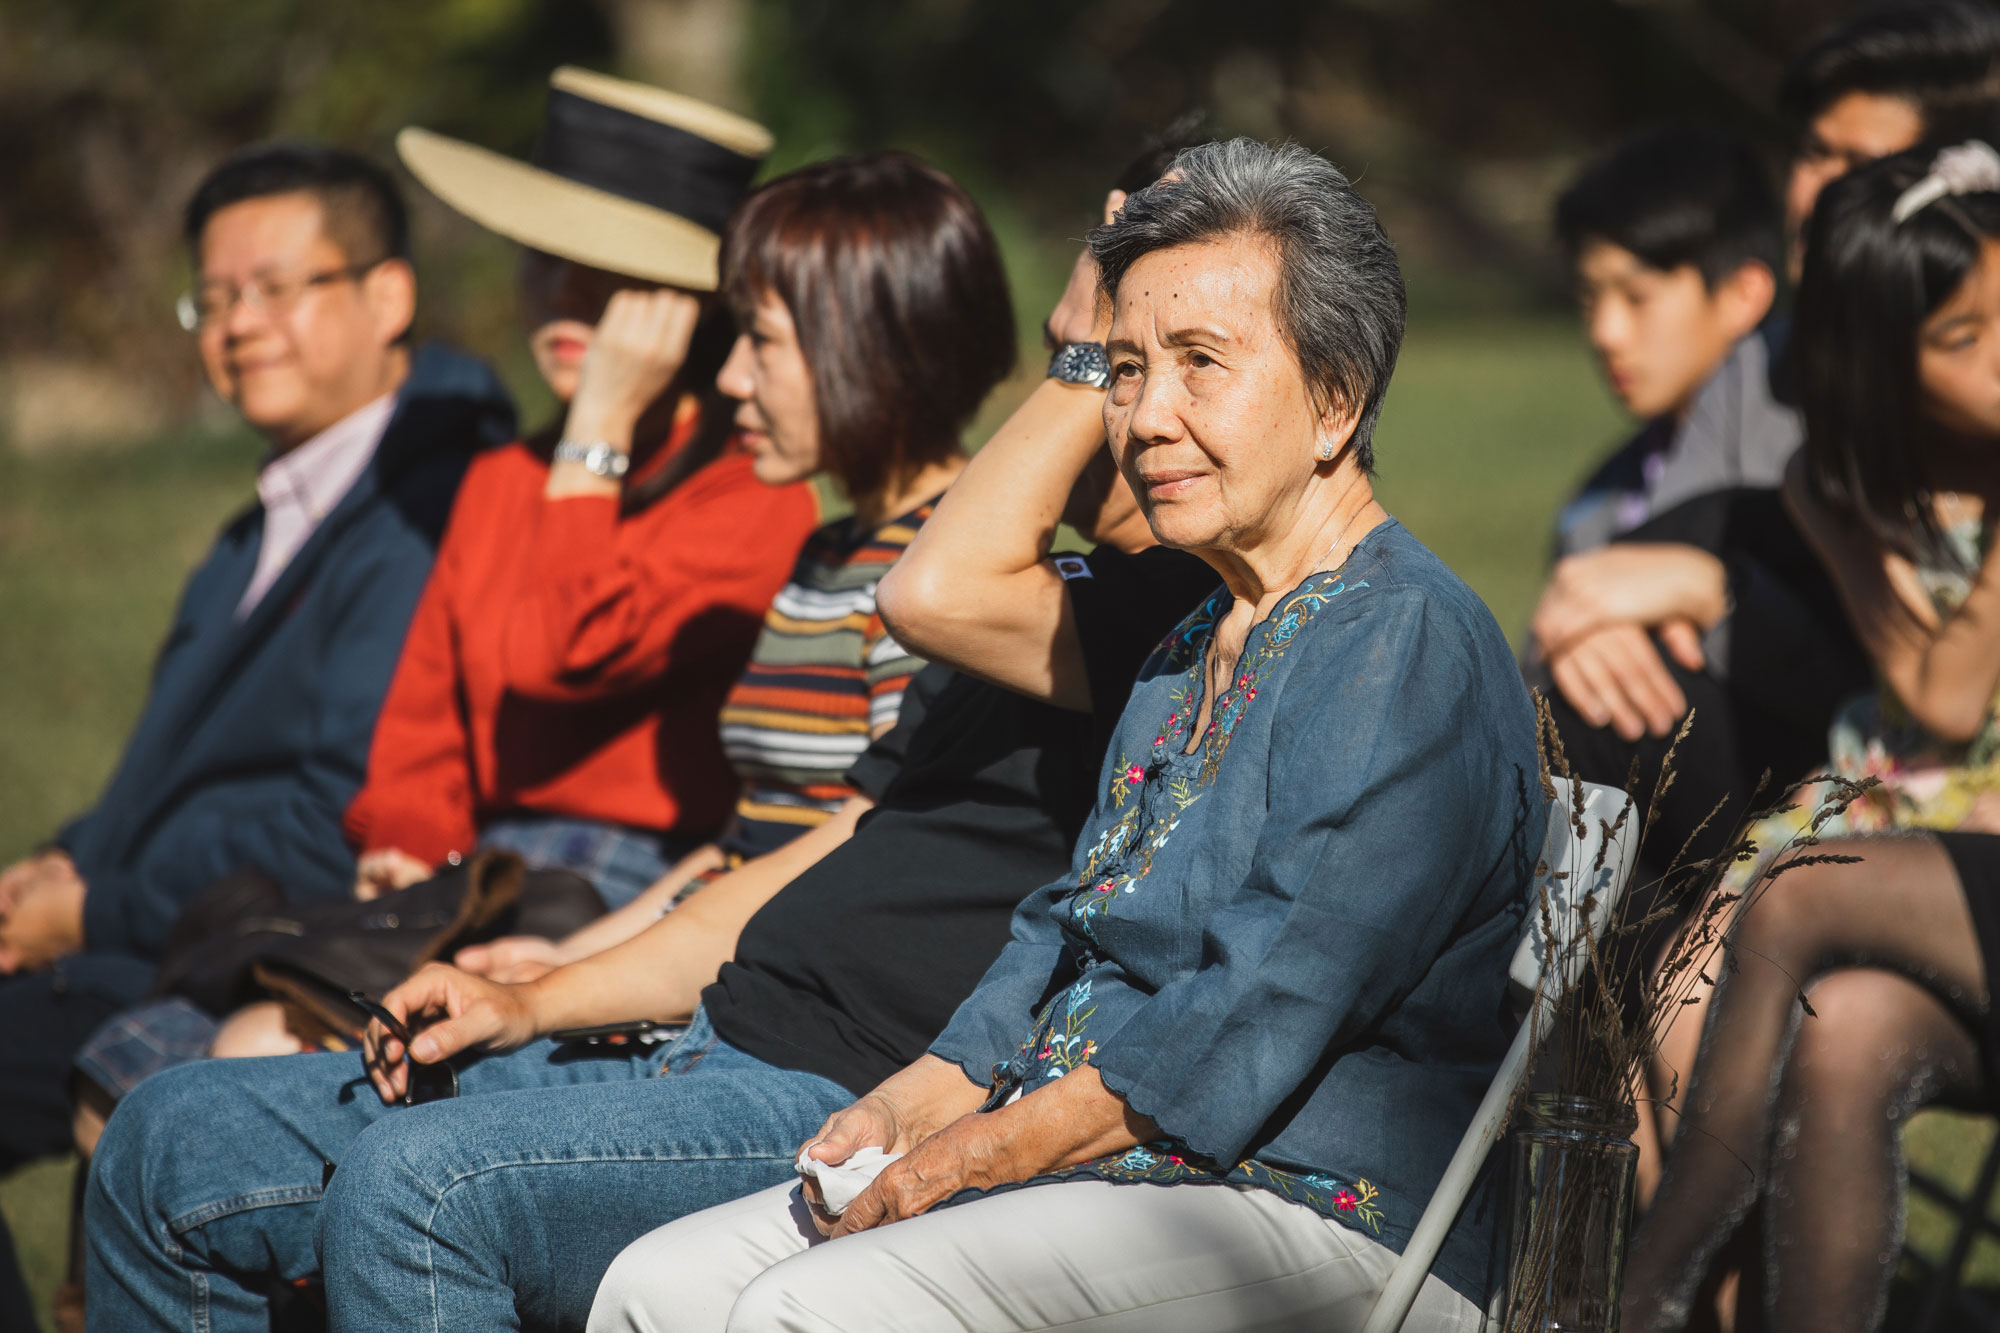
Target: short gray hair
1339, 301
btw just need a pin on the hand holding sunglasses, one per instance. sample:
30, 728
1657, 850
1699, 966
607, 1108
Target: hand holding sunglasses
431, 1018
419, 1083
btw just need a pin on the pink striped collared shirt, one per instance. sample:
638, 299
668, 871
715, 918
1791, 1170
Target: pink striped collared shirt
300, 487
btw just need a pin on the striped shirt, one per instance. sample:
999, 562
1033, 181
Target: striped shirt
824, 677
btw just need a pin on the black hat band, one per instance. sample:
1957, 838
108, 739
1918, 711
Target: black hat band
642, 160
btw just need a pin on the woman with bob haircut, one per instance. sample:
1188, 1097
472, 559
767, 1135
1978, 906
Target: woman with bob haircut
875, 318
503, 1204
1273, 981
1861, 986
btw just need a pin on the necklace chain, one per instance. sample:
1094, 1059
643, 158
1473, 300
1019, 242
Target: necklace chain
1336, 538
1214, 654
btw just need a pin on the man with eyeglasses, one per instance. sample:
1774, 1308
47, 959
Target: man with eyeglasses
263, 701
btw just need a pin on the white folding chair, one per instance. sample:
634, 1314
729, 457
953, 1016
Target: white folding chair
1541, 981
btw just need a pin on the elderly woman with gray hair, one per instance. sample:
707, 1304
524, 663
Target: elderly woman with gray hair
1273, 981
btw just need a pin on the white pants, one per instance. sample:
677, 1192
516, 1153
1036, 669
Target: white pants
1082, 1255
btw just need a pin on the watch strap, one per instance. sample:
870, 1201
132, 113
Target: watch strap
597, 457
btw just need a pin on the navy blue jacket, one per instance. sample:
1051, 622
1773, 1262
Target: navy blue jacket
255, 734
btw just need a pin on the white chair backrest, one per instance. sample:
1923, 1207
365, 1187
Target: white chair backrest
1580, 885
1583, 876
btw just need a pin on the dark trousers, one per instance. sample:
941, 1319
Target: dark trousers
45, 1018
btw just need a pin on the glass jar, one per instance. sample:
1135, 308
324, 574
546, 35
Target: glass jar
1574, 1161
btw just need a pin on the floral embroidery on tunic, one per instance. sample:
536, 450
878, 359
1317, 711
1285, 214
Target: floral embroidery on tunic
1166, 1163
1150, 801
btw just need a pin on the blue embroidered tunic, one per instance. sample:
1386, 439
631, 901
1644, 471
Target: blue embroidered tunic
1288, 947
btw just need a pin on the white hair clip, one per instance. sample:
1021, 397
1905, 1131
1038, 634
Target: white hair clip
1968, 168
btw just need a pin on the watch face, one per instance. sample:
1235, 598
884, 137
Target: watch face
1081, 363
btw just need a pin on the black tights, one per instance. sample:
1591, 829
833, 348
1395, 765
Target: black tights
1805, 1112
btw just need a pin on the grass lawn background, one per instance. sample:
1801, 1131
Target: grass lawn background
1487, 426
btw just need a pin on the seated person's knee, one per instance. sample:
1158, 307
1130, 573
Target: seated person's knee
93, 1107
1869, 1037
255, 1029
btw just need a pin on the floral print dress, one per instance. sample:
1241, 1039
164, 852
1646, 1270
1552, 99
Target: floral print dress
1285, 940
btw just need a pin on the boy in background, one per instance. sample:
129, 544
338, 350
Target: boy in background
1614, 624
1674, 239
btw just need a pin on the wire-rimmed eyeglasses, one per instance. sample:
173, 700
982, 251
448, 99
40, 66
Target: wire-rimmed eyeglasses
211, 302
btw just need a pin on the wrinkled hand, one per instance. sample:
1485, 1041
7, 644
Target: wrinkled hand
638, 348
968, 1153
1082, 314
907, 1107
872, 1122
511, 960
1615, 676
41, 912
474, 1013
387, 869
1632, 583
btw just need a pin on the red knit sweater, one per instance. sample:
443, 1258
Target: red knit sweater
569, 660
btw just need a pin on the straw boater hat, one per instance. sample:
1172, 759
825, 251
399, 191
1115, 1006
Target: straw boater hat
626, 177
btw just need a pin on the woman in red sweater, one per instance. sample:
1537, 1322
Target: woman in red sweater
600, 586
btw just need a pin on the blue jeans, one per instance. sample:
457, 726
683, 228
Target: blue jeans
500, 1209
621, 862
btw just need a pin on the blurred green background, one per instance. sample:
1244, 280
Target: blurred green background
1458, 118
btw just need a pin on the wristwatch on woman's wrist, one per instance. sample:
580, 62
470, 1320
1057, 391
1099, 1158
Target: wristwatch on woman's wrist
597, 457
1081, 363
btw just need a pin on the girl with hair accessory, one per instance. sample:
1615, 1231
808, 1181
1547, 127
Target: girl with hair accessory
1898, 377
1858, 986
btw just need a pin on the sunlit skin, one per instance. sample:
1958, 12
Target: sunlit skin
1208, 416
561, 304
293, 372
1853, 131
976, 590
1101, 506
1660, 333
777, 414
1958, 362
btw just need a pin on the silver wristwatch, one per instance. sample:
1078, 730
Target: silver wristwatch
597, 457
1081, 363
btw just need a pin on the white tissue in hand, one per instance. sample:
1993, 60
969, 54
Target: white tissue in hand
840, 1182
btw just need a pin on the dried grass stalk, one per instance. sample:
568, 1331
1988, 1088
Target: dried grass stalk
1597, 1040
